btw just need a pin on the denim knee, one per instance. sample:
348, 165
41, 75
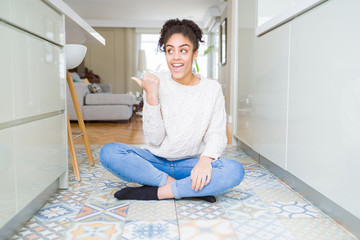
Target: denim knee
108, 152
236, 170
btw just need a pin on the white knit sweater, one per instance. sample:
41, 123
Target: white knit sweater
188, 122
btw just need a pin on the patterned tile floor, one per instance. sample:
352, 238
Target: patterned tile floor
262, 207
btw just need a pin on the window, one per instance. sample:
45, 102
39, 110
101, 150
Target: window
156, 61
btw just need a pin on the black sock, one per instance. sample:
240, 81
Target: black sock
138, 193
210, 199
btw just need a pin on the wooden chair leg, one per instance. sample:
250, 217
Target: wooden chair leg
80, 118
72, 151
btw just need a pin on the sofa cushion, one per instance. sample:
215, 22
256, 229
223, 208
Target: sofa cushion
94, 88
107, 112
109, 99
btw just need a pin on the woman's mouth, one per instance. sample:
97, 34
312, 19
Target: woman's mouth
177, 66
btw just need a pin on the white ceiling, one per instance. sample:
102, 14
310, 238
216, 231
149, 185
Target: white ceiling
145, 13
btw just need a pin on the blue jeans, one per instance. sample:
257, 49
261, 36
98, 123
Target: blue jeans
134, 164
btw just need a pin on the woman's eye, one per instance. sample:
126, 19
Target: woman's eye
170, 51
184, 51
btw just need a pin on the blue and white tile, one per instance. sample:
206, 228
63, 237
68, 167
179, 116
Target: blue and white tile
261, 229
70, 197
42, 230
295, 210
317, 229
105, 199
278, 195
199, 210
265, 183
152, 210
157, 230
244, 203
56, 212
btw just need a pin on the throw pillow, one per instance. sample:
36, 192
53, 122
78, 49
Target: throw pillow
85, 80
94, 88
75, 76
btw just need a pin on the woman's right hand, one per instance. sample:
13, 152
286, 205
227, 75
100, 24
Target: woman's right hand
150, 84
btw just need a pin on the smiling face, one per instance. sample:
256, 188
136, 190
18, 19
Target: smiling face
179, 56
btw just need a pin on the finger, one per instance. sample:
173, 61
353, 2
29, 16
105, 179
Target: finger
203, 180
194, 179
208, 179
199, 182
138, 81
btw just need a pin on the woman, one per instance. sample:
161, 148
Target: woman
184, 121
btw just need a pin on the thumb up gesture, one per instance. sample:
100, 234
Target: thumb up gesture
150, 84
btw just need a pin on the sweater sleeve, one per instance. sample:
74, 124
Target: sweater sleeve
215, 137
153, 123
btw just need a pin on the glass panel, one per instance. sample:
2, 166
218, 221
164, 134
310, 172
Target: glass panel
246, 40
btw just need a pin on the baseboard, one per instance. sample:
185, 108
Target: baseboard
10, 228
336, 212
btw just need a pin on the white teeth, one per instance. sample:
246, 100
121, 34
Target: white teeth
177, 65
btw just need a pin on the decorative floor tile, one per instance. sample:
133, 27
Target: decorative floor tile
87, 176
264, 183
56, 212
105, 199
82, 185
244, 204
95, 231
90, 212
255, 173
242, 185
116, 185
240, 194
278, 195
152, 210
262, 207
157, 230
295, 210
317, 229
42, 230
206, 229
199, 210
77, 197
261, 229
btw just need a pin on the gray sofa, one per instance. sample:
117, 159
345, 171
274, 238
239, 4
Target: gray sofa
104, 106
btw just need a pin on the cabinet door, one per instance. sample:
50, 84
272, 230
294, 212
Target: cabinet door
36, 17
4, 9
38, 75
40, 153
324, 110
7, 176
270, 95
6, 89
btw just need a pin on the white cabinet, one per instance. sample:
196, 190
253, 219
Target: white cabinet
33, 149
299, 99
36, 17
39, 154
7, 176
270, 94
38, 75
324, 110
7, 110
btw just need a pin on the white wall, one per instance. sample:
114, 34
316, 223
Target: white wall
299, 97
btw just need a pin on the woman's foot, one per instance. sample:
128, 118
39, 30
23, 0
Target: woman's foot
138, 193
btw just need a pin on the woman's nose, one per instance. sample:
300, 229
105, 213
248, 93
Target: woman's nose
176, 55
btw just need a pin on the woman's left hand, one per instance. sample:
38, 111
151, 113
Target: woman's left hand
201, 173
